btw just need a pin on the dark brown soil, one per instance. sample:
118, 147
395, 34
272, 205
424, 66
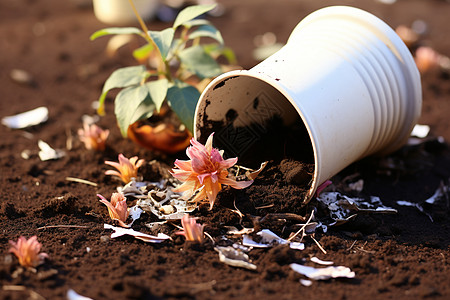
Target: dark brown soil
401, 256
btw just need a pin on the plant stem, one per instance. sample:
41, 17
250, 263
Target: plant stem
147, 36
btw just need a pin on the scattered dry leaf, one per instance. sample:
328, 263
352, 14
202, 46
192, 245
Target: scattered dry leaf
119, 231
234, 257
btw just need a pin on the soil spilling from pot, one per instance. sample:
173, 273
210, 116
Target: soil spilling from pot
394, 256
275, 200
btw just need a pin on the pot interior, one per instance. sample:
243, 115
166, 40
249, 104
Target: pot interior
252, 120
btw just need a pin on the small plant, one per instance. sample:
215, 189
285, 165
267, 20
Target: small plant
205, 173
179, 58
126, 168
192, 231
117, 208
27, 251
93, 137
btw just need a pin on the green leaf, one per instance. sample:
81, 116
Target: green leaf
216, 50
115, 30
121, 78
196, 22
197, 61
143, 52
183, 99
190, 13
163, 40
144, 111
207, 31
158, 91
126, 104
229, 55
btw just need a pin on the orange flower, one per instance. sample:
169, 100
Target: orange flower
192, 231
127, 168
206, 172
93, 136
117, 208
27, 251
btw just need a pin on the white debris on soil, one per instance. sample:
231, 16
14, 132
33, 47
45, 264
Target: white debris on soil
442, 192
72, 295
165, 204
306, 282
343, 208
132, 189
234, 257
26, 119
297, 246
135, 213
48, 153
321, 262
119, 231
357, 185
410, 204
420, 131
232, 230
269, 239
323, 273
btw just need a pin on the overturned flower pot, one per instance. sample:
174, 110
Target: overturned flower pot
344, 86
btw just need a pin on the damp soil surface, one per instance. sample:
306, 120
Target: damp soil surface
394, 256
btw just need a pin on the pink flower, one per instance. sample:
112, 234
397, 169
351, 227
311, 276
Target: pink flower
192, 231
127, 168
93, 137
117, 208
27, 251
206, 172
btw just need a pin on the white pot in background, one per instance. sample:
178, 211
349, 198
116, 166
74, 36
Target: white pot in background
119, 12
344, 79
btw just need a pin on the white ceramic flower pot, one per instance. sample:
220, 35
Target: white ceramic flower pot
119, 12
344, 81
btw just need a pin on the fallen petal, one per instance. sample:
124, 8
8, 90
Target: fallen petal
26, 119
119, 231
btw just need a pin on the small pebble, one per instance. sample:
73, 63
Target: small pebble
105, 238
22, 77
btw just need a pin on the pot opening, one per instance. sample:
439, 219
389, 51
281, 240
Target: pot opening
253, 120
